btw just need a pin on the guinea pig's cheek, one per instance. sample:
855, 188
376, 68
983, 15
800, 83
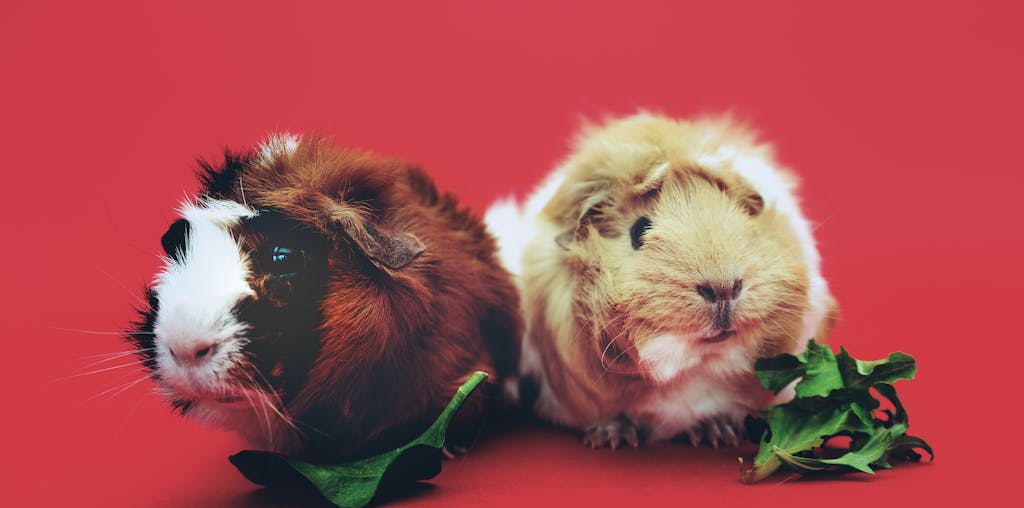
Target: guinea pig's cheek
664, 357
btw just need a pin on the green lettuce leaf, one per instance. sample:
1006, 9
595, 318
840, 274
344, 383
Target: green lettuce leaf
354, 484
834, 397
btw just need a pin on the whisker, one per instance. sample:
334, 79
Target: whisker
97, 371
255, 410
582, 328
624, 351
137, 298
121, 388
266, 414
271, 398
277, 398
604, 351
115, 356
130, 352
273, 404
616, 317
94, 332
284, 418
607, 367
128, 386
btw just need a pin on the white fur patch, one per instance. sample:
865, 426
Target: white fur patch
513, 226
197, 295
665, 356
510, 231
277, 145
684, 405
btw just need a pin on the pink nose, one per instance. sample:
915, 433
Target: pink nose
195, 354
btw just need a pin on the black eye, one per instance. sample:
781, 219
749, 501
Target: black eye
287, 261
636, 233
174, 239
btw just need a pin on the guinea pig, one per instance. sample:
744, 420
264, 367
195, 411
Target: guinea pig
326, 303
655, 266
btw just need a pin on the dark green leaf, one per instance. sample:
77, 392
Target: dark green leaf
778, 372
860, 459
833, 398
858, 374
899, 416
822, 374
905, 448
354, 484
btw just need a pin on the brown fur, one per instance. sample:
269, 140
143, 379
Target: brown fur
400, 334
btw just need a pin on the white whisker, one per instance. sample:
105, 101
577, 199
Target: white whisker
121, 388
94, 332
266, 414
141, 302
276, 402
115, 356
72, 376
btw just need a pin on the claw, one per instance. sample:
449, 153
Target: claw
695, 438
613, 433
715, 432
719, 432
729, 435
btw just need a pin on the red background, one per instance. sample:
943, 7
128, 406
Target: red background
902, 119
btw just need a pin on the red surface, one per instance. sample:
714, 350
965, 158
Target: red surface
904, 121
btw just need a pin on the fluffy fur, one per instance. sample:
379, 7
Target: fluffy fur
620, 342
201, 284
399, 299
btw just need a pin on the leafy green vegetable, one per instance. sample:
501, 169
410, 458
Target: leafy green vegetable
834, 397
354, 484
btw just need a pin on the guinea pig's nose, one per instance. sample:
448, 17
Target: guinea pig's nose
718, 291
195, 354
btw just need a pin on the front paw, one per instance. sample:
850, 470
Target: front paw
612, 433
714, 432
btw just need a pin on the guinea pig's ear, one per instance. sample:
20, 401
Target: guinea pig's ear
393, 250
592, 213
747, 197
651, 185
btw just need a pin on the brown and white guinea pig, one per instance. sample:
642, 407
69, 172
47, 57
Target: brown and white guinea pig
656, 265
325, 302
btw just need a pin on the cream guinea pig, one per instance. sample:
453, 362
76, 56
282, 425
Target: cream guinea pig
655, 266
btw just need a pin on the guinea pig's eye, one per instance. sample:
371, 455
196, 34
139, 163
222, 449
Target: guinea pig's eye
636, 233
287, 261
173, 240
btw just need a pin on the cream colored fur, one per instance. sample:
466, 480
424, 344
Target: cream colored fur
612, 331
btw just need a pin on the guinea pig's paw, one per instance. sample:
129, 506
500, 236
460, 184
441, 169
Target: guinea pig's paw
612, 433
715, 432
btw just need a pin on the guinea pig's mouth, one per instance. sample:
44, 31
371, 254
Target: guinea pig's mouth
720, 336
